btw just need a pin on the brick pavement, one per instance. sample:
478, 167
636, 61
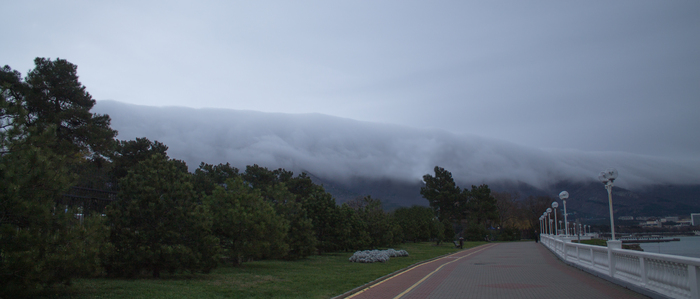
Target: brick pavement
497, 270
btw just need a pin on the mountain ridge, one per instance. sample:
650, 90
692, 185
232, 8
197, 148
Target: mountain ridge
360, 158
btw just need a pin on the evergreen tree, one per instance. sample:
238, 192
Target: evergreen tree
157, 225
247, 226
129, 153
417, 223
481, 206
41, 243
260, 177
273, 186
380, 226
352, 232
300, 236
207, 177
443, 195
55, 100
481, 212
325, 216
53, 96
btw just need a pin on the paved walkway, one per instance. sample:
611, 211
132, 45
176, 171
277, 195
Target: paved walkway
497, 270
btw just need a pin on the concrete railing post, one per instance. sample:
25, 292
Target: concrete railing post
694, 281
643, 270
611, 257
578, 256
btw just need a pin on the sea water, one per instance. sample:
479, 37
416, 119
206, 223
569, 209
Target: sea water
687, 246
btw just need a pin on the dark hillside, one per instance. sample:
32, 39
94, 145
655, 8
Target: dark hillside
589, 200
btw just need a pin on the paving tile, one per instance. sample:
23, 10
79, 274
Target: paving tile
497, 270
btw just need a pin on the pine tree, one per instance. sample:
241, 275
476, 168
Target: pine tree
53, 96
158, 225
247, 226
41, 243
443, 195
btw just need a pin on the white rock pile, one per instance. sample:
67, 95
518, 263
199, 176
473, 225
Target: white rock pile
373, 256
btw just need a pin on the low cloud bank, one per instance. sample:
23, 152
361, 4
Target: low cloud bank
342, 148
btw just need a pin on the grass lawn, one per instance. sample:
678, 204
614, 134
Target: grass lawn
322, 276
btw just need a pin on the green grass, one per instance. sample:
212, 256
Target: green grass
322, 276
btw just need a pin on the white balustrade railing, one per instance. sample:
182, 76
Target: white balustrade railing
668, 275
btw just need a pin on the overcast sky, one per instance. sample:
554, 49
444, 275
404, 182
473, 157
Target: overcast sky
583, 75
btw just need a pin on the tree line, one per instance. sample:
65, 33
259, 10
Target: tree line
167, 219
479, 214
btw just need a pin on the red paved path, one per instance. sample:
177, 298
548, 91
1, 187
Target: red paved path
497, 270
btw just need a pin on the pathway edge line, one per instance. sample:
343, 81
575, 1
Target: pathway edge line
438, 269
397, 272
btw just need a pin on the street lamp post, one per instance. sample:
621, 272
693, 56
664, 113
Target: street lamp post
563, 196
577, 229
607, 177
554, 206
542, 227
542, 223
560, 226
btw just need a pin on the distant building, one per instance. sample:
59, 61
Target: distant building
684, 222
695, 218
667, 219
650, 223
625, 218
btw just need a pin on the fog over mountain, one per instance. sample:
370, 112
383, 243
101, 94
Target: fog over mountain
341, 149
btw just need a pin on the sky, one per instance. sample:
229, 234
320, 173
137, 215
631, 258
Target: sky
589, 76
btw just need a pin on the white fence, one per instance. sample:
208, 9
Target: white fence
655, 274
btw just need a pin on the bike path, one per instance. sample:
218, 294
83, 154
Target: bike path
496, 270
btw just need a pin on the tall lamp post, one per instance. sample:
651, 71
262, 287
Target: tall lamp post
541, 225
544, 224
554, 206
607, 177
560, 226
563, 196
549, 219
